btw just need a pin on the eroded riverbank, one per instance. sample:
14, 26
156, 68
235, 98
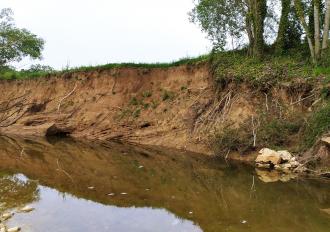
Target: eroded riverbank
119, 186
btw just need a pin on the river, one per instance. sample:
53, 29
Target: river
91, 186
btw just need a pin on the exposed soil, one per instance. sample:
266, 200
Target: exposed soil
175, 107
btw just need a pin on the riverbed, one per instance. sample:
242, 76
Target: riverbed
90, 186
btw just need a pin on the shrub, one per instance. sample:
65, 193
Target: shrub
167, 95
318, 124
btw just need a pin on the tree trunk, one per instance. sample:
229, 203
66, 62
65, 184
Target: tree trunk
301, 16
326, 27
317, 31
284, 21
250, 34
259, 15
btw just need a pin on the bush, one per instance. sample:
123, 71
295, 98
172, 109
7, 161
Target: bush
271, 132
318, 124
167, 95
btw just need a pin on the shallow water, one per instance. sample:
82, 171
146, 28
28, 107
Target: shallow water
77, 186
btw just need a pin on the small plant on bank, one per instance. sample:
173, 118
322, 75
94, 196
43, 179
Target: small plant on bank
167, 95
146, 94
137, 113
134, 101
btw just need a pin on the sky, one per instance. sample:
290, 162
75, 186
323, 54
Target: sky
93, 32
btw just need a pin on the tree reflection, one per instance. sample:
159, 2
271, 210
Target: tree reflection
16, 192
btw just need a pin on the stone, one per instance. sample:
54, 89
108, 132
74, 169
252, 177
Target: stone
6, 216
286, 166
326, 140
14, 229
268, 156
294, 164
285, 155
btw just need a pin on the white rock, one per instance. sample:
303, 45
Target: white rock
286, 166
285, 155
326, 140
294, 164
268, 156
14, 229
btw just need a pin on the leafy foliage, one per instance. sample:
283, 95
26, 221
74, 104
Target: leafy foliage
15, 43
220, 19
318, 124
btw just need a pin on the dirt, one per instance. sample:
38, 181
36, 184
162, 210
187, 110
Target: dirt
177, 107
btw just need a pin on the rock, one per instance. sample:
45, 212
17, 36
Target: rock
294, 164
326, 140
6, 216
26, 209
14, 229
286, 166
285, 155
293, 159
268, 156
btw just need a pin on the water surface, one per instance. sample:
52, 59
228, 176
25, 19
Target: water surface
76, 186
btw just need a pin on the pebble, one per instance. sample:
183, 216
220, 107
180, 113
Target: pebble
243, 222
141, 167
111, 194
123, 193
91, 187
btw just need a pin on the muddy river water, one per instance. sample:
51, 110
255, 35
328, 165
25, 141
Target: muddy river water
76, 186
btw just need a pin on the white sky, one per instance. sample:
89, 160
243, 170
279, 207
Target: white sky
91, 32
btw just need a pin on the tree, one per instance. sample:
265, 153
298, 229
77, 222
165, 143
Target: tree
221, 19
16, 43
314, 30
325, 41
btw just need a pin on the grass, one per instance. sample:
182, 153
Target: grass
237, 67
10, 74
227, 66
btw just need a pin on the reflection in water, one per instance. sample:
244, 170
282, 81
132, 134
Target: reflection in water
16, 192
115, 187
